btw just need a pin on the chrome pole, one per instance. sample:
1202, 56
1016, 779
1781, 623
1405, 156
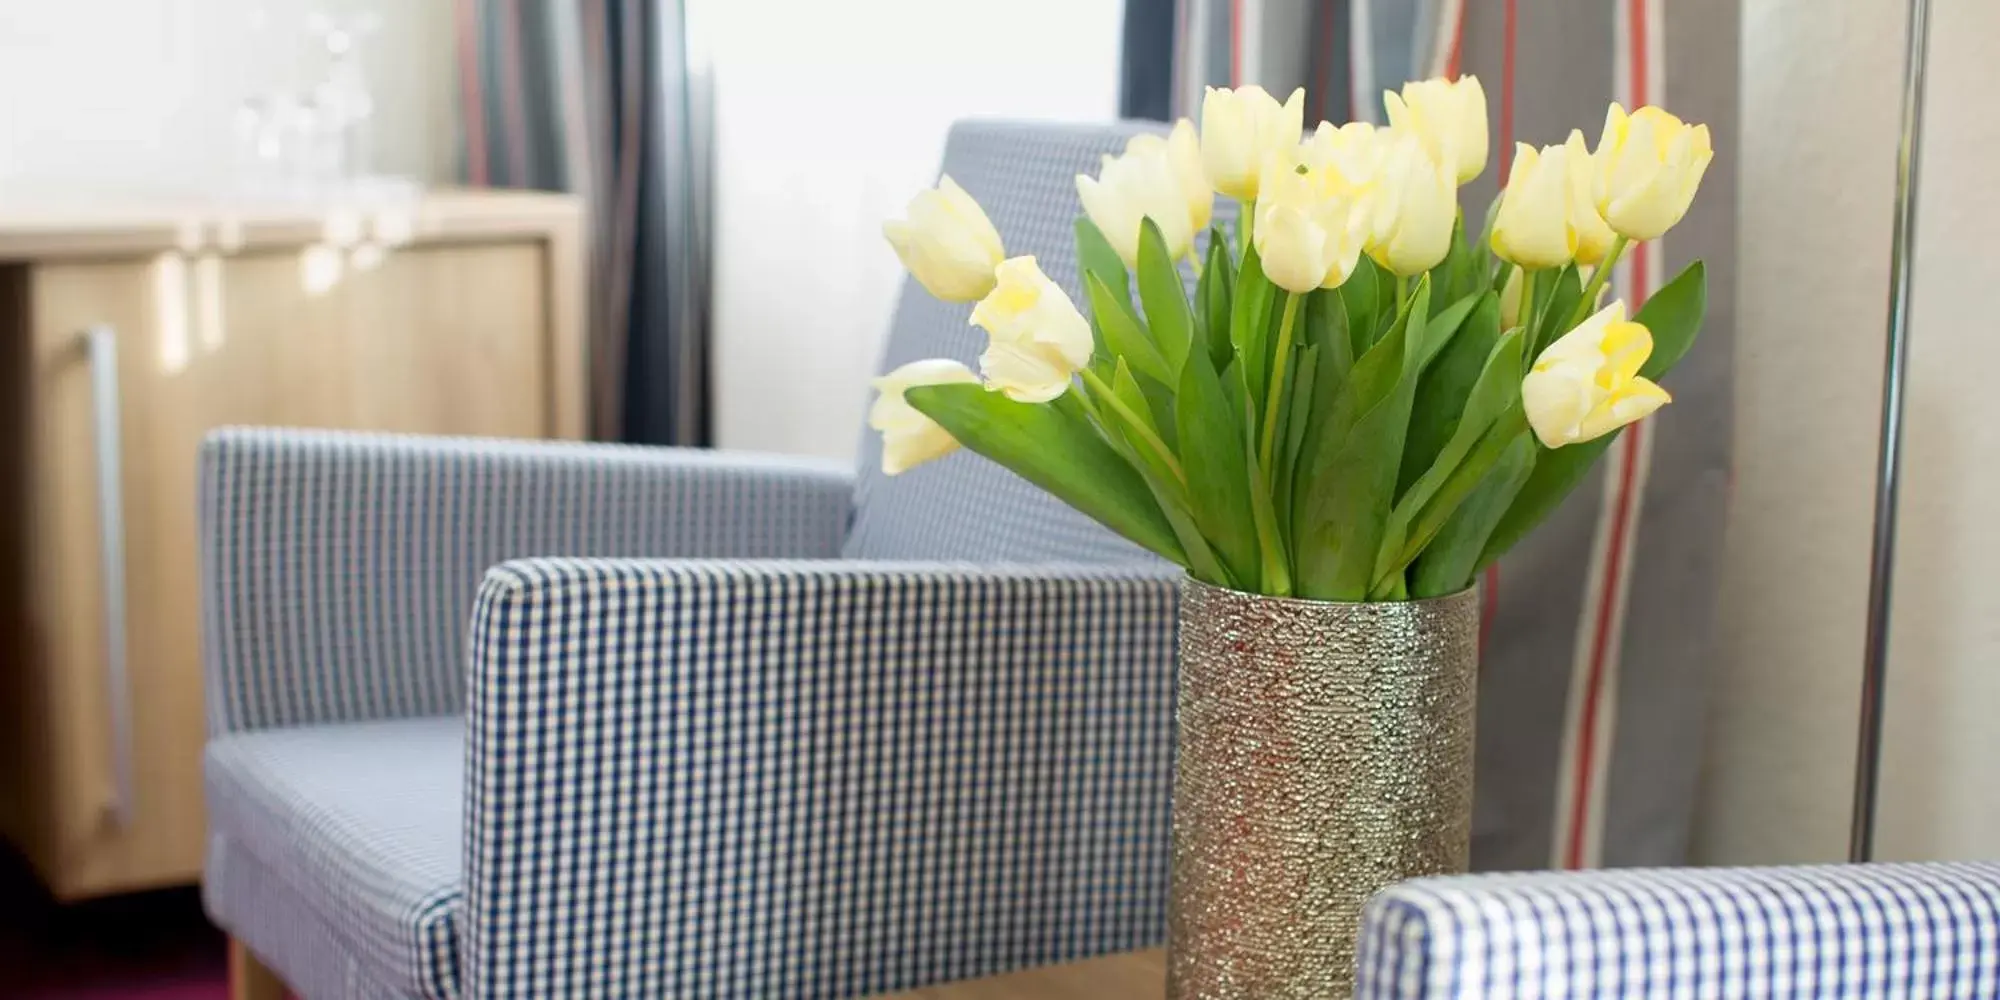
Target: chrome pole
1888, 470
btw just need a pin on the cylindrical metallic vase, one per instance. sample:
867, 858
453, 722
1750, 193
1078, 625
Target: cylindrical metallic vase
1325, 752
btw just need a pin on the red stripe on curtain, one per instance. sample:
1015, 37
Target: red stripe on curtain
472, 102
1625, 499
1451, 61
1509, 20
1600, 646
1236, 43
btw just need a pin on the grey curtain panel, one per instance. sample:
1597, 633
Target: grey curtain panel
596, 97
1146, 69
1599, 628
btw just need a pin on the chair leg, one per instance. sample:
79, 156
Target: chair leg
250, 978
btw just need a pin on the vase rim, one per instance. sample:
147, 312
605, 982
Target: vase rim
1451, 598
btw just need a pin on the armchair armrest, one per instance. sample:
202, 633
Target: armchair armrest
338, 570
1863, 931
811, 779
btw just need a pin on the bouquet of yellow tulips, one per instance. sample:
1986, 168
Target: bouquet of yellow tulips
1359, 401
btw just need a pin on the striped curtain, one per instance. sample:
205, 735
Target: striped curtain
596, 97
1601, 625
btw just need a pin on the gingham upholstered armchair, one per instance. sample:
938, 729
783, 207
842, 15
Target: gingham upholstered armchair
1852, 932
763, 729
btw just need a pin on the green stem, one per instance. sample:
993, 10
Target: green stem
1588, 304
1194, 261
1527, 316
1137, 423
1246, 226
1090, 407
1402, 289
1275, 398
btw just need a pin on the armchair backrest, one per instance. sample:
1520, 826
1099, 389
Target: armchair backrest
965, 507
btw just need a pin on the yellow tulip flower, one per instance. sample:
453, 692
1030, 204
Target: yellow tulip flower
1142, 184
1587, 383
1312, 223
1183, 150
1037, 340
1449, 117
947, 243
1415, 208
1649, 165
1547, 217
1243, 129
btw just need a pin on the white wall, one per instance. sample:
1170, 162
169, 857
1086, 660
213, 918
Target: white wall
825, 129
1821, 90
138, 94
1941, 787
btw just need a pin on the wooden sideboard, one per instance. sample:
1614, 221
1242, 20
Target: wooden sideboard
129, 332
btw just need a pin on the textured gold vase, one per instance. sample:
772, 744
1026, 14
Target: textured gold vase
1325, 752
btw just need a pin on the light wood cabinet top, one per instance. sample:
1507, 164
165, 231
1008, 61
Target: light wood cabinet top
46, 227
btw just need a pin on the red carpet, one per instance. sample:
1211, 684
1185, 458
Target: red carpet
153, 946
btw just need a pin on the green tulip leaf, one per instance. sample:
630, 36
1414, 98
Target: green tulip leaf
1443, 388
1421, 510
1489, 263
1277, 577
1556, 296
1136, 437
1368, 293
1249, 327
1407, 536
1212, 454
1346, 488
1218, 278
1673, 315
1128, 391
1456, 275
1164, 294
1058, 453
1448, 563
1123, 336
1305, 379
1497, 389
1443, 328
1326, 327
1160, 406
1094, 255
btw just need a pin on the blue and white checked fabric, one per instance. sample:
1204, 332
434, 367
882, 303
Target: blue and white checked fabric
289, 931
339, 569
360, 826
684, 778
1855, 932
799, 779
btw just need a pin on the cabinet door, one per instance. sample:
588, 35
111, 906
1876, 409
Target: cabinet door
447, 339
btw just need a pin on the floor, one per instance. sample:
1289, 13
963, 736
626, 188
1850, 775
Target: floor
153, 946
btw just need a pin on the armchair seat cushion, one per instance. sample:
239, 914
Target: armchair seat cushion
342, 840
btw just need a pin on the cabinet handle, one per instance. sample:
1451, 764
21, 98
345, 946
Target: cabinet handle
101, 344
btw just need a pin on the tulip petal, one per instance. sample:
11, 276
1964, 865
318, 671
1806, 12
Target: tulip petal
909, 438
1025, 376
1556, 403
947, 243
1291, 247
